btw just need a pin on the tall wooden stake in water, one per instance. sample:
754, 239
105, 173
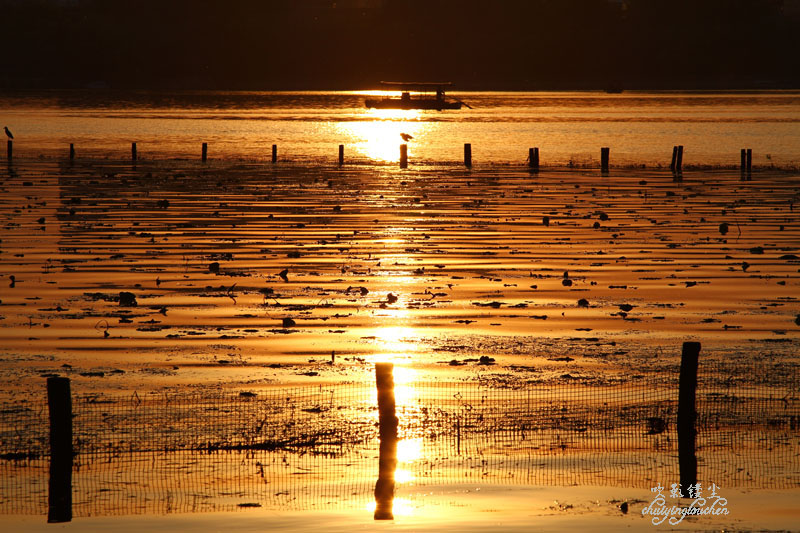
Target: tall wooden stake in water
387, 460
604, 156
204, 157
59, 402
533, 159
679, 161
9, 149
71, 151
468, 155
673, 165
749, 161
403, 156
133, 151
341, 154
274, 153
687, 415
743, 162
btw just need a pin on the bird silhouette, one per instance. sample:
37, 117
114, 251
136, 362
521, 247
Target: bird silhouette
284, 274
406, 137
8, 133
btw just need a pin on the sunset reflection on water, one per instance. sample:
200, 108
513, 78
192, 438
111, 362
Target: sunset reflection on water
379, 138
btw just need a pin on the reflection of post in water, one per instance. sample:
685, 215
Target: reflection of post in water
387, 462
59, 497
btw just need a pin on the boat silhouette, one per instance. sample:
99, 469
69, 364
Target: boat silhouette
429, 95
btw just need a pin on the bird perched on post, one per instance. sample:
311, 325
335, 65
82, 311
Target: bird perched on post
406, 137
8, 133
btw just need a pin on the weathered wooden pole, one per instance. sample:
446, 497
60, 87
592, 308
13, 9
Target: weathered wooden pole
71, 151
133, 152
674, 164
468, 155
274, 153
387, 459
687, 414
204, 157
403, 156
679, 159
341, 155
604, 156
9, 149
749, 161
743, 161
533, 158
59, 402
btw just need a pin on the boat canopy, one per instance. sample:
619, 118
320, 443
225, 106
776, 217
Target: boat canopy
417, 85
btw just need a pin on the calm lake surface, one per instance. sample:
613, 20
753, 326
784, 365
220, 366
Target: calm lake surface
640, 128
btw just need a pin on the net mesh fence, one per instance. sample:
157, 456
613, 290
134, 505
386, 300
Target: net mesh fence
256, 444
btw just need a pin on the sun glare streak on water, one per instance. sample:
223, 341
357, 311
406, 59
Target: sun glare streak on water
401, 507
409, 450
380, 138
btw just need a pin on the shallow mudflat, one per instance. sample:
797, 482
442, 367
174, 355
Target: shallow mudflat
254, 275
535, 322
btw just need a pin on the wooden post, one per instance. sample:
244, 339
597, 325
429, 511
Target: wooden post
403, 156
674, 164
205, 152
533, 158
749, 161
59, 402
743, 163
9, 149
387, 460
687, 415
71, 151
341, 155
468, 155
274, 153
604, 153
679, 159
133, 151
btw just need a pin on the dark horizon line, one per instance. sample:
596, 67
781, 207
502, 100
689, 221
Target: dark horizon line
100, 86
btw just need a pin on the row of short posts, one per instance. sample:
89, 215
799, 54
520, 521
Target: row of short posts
203, 152
676, 164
